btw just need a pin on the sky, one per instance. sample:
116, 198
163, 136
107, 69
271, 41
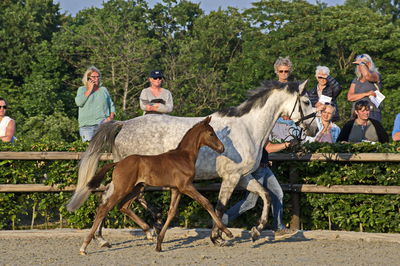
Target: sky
73, 6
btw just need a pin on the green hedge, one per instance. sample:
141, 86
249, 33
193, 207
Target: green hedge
371, 213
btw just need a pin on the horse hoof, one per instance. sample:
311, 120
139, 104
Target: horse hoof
158, 249
82, 252
255, 234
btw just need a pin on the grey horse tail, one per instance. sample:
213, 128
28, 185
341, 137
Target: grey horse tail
96, 180
102, 141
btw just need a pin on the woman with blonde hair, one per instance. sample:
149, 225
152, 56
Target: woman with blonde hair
94, 102
366, 84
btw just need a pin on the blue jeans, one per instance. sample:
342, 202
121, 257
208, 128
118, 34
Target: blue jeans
87, 132
271, 184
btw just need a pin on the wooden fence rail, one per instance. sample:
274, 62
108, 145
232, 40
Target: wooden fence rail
294, 188
346, 157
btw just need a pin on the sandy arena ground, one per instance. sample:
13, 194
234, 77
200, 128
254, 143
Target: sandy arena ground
193, 246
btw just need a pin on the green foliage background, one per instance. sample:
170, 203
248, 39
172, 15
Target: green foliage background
356, 212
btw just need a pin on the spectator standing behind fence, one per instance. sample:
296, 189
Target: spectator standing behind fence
327, 130
363, 128
367, 82
7, 124
396, 128
94, 102
326, 91
155, 99
283, 68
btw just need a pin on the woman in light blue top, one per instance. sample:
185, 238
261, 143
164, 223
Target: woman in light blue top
94, 102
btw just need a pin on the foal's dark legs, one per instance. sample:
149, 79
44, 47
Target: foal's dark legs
173, 205
124, 207
155, 212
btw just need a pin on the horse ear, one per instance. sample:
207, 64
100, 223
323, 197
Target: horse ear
207, 120
302, 86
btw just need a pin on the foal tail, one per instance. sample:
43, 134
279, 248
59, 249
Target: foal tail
102, 140
96, 180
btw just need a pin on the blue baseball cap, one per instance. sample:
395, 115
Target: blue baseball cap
156, 74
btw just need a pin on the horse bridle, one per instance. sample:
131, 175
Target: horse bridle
296, 133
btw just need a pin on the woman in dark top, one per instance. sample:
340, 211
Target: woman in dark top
363, 128
327, 86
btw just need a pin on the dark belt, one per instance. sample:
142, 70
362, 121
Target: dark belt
264, 165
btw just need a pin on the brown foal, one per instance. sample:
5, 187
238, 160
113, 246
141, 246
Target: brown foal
174, 169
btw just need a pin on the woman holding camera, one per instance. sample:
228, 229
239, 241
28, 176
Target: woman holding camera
95, 104
366, 84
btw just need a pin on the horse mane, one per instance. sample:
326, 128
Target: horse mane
258, 97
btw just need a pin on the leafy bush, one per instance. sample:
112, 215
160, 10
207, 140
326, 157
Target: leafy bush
372, 213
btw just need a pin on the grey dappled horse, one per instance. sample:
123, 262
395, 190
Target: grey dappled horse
243, 130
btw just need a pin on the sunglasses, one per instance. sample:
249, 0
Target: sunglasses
283, 71
360, 56
157, 78
3, 106
321, 78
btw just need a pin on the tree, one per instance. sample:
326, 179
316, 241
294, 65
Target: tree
205, 60
114, 39
383, 7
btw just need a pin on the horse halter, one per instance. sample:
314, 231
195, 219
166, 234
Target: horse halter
296, 134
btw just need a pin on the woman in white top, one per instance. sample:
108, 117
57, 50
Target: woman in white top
156, 99
7, 125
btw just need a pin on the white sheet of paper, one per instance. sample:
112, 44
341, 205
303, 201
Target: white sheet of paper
325, 99
378, 99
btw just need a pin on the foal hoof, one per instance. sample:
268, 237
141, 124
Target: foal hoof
229, 234
105, 244
149, 235
255, 234
82, 252
219, 241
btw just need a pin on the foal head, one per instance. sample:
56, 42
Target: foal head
202, 134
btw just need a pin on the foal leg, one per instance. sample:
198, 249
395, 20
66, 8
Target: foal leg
175, 198
101, 213
124, 207
192, 192
155, 212
98, 236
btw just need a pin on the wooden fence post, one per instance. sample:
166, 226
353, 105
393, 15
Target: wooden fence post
293, 179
